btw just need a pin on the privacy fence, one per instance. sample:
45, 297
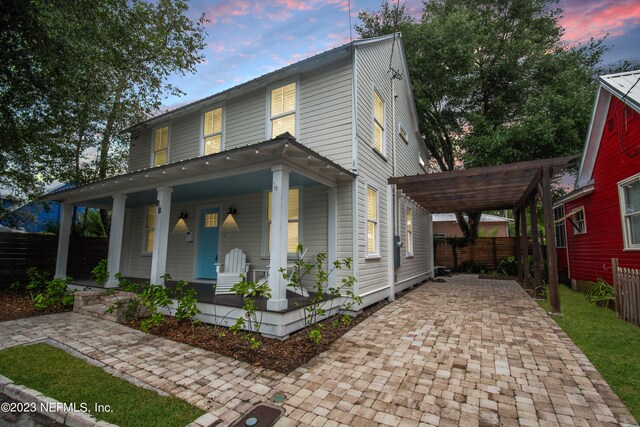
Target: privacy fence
20, 251
626, 282
487, 252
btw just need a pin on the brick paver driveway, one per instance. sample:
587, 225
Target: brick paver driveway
465, 352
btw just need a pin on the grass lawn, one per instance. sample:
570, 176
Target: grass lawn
612, 345
68, 379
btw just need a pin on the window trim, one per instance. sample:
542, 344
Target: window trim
560, 225
584, 216
409, 231
374, 121
265, 222
153, 138
269, 118
376, 253
422, 163
401, 129
205, 110
146, 229
626, 238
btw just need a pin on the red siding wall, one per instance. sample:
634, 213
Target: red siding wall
590, 254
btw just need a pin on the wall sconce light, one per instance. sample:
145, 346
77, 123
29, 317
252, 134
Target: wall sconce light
181, 225
230, 225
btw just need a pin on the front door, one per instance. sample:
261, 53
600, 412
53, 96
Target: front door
208, 231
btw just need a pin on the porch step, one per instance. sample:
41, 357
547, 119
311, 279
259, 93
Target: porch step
95, 303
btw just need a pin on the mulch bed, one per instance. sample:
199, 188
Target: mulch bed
281, 356
17, 305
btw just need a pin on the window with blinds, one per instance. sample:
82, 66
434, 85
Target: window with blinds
630, 203
150, 228
378, 122
212, 131
283, 110
293, 233
160, 146
372, 221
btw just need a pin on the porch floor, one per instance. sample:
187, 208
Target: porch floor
206, 294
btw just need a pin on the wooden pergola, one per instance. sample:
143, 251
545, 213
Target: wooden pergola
513, 186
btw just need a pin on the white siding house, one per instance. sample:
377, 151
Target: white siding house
351, 124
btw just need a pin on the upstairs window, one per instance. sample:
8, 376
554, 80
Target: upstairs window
378, 122
578, 222
160, 146
630, 209
150, 228
561, 235
409, 232
212, 131
293, 231
282, 112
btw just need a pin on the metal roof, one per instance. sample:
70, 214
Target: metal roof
479, 189
625, 86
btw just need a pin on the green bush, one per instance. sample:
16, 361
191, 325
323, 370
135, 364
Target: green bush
187, 305
602, 293
56, 292
100, 273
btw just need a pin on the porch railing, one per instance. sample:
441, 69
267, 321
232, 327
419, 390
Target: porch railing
626, 282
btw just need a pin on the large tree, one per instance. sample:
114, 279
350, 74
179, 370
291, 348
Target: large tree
493, 81
74, 74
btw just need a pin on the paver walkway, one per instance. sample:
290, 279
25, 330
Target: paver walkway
465, 352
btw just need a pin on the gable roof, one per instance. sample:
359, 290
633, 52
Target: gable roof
624, 86
304, 65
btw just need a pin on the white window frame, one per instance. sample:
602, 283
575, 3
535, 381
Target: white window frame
153, 139
376, 253
203, 137
401, 130
584, 220
422, 163
374, 121
560, 225
626, 232
266, 222
269, 119
147, 229
409, 230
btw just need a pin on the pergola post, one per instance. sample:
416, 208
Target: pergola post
535, 242
549, 230
524, 248
63, 241
516, 217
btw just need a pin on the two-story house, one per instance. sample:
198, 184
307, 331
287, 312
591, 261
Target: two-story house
301, 154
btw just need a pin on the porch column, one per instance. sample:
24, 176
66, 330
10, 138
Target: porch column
549, 231
332, 234
63, 241
279, 237
161, 235
115, 238
524, 248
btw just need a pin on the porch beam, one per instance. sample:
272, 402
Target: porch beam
535, 242
63, 241
115, 238
332, 235
549, 231
161, 235
279, 237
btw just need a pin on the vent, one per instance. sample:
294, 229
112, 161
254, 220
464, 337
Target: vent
610, 125
628, 113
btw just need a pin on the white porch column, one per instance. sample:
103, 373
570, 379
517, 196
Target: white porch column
161, 235
332, 234
391, 247
63, 241
115, 238
279, 237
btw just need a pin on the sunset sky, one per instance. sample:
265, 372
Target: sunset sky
248, 38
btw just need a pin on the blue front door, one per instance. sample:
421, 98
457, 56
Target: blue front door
208, 231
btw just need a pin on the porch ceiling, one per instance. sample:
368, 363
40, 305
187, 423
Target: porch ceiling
236, 171
486, 188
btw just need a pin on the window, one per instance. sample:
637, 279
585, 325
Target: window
211, 220
630, 209
160, 146
212, 131
403, 134
283, 110
150, 229
578, 222
422, 163
294, 221
372, 221
561, 234
378, 122
409, 232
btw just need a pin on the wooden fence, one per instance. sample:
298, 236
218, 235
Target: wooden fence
626, 282
484, 251
20, 251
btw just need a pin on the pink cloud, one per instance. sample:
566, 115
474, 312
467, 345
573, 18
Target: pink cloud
295, 4
585, 19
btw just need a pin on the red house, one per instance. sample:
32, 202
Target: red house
600, 219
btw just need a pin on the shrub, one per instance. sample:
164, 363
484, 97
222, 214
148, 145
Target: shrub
187, 305
602, 293
56, 292
100, 273
249, 291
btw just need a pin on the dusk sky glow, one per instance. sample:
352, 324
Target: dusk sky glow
248, 38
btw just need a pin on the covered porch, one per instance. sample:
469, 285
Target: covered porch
252, 183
